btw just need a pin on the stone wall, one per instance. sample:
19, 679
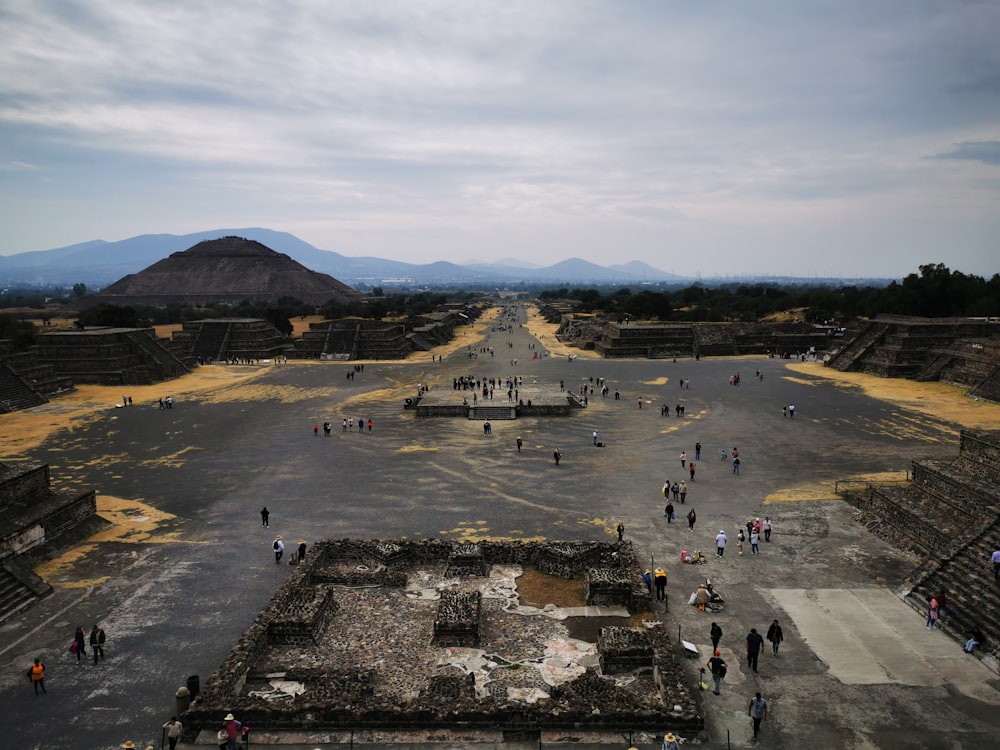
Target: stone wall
342, 698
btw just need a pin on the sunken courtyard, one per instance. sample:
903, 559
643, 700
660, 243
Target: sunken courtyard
430, 638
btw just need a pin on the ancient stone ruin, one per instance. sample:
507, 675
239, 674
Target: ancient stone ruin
949, 514
429, 640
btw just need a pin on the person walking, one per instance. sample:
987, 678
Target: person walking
265, 517
683, 487
757, 710
595, 438
720, 543
691, 470
279, 549
684, 458
736, 465
36, 673
660, 580
691, 520
697, 451
669, 512
666, 489
717, 665
716, 633
302, 550
932, 614
556, 455
775, 636
753, 645
676, 490
173, 729
766, 526
79, 641
740, 537
670, 742
519, 444
620, 528
97, 639
755, 541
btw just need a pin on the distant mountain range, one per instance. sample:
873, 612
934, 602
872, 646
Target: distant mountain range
98, 263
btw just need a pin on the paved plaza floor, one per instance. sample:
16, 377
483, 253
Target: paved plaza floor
186, 564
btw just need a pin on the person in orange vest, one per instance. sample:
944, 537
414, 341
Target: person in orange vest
36, 673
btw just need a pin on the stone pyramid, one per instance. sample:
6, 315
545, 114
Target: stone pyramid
225, 270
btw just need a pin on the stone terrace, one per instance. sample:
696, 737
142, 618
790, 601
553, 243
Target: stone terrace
958, 350
348, 643
950, 514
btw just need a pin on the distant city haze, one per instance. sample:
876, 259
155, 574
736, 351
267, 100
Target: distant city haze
823, 140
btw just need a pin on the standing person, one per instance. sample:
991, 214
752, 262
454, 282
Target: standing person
676, 489
647, 578
697, 451
766, 526
691, 519
684, 458
36, 673
691, 470
736, 465
595, 438
660, 579
995, 559
757, 711
740, 537
279, 549
720, 543
265, 517
716, 633
80, 642
669, 512
302, 550
97, 639
666, 489
932, 614
944, 609
316, 428
791, 411
519, 444
174, 730
371, 425
684, 491
753, 643
775, 636
556, 455
755, 541
717, 665
233, 728
620, 528
670, 742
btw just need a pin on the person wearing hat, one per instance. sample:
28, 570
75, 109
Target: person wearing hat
670, 742
660, 579
128, 745
233, 729
174, 730
302, 550
279, 549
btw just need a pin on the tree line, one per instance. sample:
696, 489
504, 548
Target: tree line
934, 292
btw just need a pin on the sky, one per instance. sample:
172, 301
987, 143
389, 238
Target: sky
847, 138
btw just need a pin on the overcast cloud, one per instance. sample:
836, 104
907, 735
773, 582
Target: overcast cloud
806, 138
